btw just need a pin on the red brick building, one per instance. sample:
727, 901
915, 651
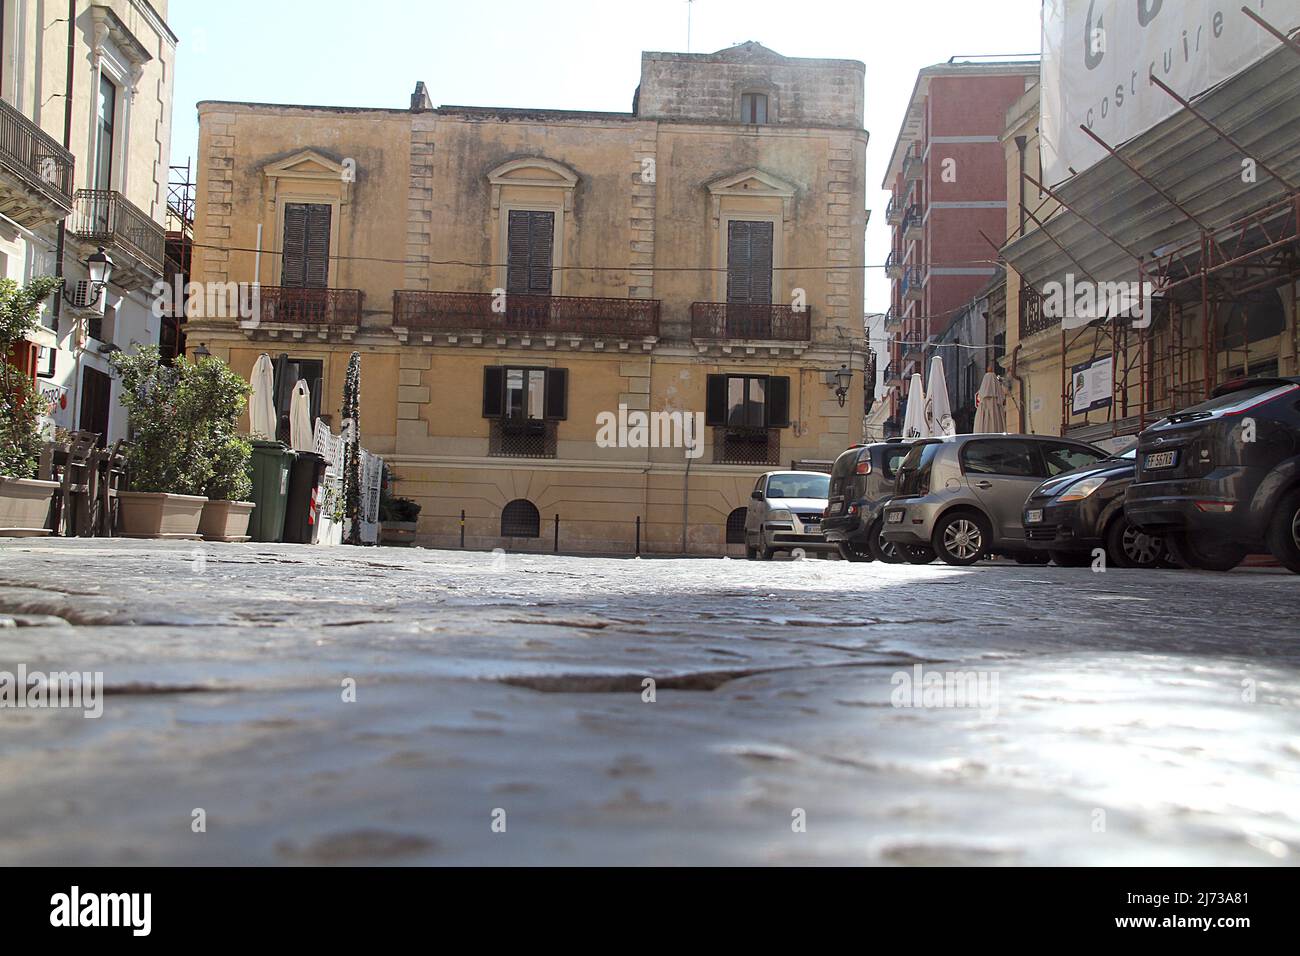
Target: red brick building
947, 181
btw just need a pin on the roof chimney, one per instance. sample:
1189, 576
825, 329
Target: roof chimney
420, 98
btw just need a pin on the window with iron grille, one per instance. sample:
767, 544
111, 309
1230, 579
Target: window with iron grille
747, 412
524, 405
736, 526
530, 241
520, 519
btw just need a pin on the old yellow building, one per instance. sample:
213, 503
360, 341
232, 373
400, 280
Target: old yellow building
513, 278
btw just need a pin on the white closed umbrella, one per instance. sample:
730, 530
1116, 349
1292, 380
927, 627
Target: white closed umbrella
990, 406
914, 417
938, 411
300, 436
261, 403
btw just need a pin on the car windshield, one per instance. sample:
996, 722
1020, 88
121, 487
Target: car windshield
1232, 401
798, 486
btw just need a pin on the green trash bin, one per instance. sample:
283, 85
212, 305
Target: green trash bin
271, 464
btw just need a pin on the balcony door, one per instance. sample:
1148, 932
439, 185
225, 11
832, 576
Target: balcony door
530, 249
105, 134
305, 256
749, 262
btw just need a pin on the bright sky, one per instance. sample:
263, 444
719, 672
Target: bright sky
566, 54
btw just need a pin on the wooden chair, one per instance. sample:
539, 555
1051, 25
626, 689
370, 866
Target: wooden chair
71, 499
109, 470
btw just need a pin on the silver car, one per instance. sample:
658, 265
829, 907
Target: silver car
785, 513
964, 495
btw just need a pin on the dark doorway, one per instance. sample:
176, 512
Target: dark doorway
96, 387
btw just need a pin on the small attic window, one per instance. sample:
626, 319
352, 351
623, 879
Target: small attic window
753, 107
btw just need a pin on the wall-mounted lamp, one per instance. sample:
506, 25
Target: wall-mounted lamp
201, 353
100, 267
843, 379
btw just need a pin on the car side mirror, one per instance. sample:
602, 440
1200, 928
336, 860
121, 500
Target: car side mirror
756, 495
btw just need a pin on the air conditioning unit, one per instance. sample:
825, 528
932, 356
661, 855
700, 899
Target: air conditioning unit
81, 297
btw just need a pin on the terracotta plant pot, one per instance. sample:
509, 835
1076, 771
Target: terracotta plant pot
398, 533
25, 507
226, 520
152, 514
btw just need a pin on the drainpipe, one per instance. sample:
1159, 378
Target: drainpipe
67, 144
1020, 387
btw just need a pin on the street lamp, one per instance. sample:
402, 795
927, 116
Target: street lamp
201, 353
843, 379
100, 267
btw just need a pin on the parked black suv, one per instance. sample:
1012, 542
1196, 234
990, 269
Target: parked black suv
1074, 513
862, 479
1222, 479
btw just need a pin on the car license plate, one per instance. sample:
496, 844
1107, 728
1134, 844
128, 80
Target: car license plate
895, 517
812, 527
1160, 459
1034, 516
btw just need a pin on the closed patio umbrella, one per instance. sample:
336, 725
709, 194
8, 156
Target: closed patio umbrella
261, 403
914, 417
938, 412
990, 406
300, 436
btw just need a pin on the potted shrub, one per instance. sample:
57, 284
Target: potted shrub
227, 512
24, 501
397, 516
184, 446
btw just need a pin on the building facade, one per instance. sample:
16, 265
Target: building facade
948, 203
517, 280
85, 137
1193, 221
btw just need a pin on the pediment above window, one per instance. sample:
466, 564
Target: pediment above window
533, 171
307, 164
752, 182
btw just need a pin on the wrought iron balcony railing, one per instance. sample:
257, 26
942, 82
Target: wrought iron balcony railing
35, 157
521, 438
517, 312
293, 306
769, 323
912, 220
892, 318
912, 282
893, 265
106, 217
894, 211
912, 163
1032, 318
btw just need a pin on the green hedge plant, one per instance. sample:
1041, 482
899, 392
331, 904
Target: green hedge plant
21, 438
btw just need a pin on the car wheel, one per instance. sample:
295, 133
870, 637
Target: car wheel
765, 554
882, 550
751, 553
1128, 546
1031, 557
961, 538
917, 553
1284, 532
1205, 552
851, 551
1071, 559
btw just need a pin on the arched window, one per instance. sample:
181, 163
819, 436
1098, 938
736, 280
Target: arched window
736, 526
753, 107
520, 519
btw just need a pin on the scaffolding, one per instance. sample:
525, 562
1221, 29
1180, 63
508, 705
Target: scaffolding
1199, 288
176, 261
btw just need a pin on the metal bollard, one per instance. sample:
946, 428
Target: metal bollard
638, 536
557, 534
462, 528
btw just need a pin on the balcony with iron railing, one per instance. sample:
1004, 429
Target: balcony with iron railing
912, 166
35, 171
472, 314
892, 318
737, 322
912, 283
295, 312
746, 445
894, 211
104, 217
894, 265
912, 222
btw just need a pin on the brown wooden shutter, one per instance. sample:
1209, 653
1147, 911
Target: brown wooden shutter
305, 254
749, 262
530, 250
494, 391
557, 394
715, 405
778, 402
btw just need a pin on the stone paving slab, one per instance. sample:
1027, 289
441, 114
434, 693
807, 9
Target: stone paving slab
1139, 717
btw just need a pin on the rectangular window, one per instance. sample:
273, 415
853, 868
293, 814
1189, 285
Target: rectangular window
530, 240
753, 108
520, 394
748, 401
105, 119
305, 258
749, 262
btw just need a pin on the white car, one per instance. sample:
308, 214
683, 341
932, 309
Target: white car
785, 514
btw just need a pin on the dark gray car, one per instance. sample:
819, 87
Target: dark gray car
964, 495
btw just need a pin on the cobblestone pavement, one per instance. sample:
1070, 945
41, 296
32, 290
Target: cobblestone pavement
1123, 717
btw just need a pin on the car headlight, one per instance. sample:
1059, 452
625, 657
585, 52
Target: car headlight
779, 515
1082, 489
